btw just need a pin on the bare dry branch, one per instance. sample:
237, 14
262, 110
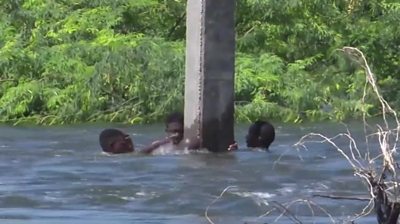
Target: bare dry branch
215, 200
378, 173
341, 197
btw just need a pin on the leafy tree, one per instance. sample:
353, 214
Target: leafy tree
123, 61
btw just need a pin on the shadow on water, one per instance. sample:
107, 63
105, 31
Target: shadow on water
58, 175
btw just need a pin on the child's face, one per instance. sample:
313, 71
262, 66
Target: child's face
175, 132
123, 144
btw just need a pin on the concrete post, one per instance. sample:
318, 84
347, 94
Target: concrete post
209, 81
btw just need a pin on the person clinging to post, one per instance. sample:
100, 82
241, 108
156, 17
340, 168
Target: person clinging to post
114, 141
260, 135
174, 128
174, 136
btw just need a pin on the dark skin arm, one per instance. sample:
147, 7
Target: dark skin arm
150, 148
192, 144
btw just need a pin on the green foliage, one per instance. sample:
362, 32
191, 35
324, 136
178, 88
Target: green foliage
316, 82
123, 61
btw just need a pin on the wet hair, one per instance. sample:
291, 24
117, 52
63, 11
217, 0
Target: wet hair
266, 137
174, 117
255, 128
107, 136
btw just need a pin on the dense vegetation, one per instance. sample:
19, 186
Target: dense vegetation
68, 61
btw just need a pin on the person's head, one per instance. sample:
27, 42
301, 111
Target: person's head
174, 127
260, 135
115, 141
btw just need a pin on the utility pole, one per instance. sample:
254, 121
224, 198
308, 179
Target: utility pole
210, 68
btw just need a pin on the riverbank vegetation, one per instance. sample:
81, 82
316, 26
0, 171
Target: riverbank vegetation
123, 61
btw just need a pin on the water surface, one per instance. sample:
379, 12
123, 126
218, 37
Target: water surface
59, 175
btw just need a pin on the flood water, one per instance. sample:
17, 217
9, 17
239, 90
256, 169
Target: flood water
59, 175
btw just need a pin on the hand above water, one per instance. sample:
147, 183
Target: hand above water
233, 147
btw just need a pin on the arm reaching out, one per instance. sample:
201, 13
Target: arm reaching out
154, 145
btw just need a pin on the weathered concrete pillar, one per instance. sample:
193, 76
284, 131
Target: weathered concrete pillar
209, 83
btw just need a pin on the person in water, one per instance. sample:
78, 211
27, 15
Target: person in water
260, 135
174, 136
174, 127
115, 141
